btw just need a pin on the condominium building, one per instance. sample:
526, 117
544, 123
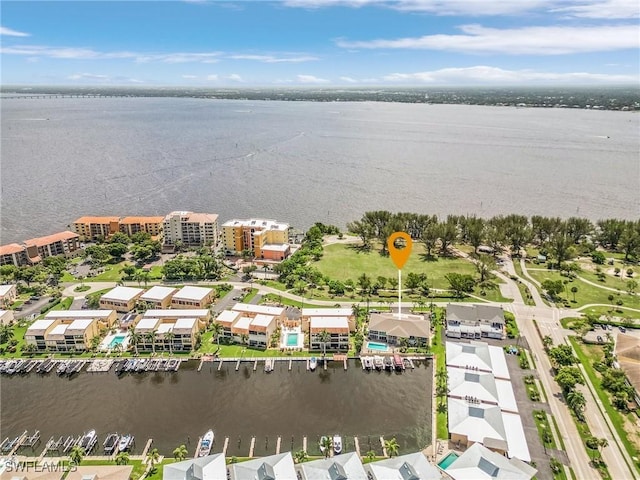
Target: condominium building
13, 254
347, 466
255, 323
337, 330
105, 318
8, 295
308, 313
64, 331
475, 321
389, 328
414, 466
96, 228
274, 467
190, 229
478, 462
168, 333
249, 310
6, 317
150, 225
192, 297
121, 299
265, 239
158, 296
226, 319
63, 243
203, 315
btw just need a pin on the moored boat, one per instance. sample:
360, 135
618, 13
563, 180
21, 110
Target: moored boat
313, 363
125, 442
378, 362
206, 444
388, 363
88, 441
110, 443
397, 361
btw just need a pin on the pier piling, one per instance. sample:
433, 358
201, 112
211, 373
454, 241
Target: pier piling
220, 365
255, 364
307, 364
238, 365
304, 443
290, 363
195, 455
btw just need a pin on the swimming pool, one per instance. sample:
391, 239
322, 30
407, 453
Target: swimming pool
380, 347
292, 339
448, 460
117, 340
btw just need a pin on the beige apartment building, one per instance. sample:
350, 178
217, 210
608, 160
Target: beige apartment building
190, 229
158, 297
121, 299
8, 295
192, 297
265, 239
13, 254
150, 225
63, 243
96, 228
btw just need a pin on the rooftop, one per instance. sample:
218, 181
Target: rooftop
480, 463
249, 308
56, 237
479, 356
327, 312
274, 467
185, 323
177, 313
122, 294
257, 223
192, 293
227, 316
39, 325
80, 324
157, 293
329, 323
405, 326
203, 468
404, 467
346, 466
4, 289
69, 314
193, 217
90, 219
134, 220
10, 249
147, 323
262, 320
474, 313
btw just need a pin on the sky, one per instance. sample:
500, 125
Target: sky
330, 43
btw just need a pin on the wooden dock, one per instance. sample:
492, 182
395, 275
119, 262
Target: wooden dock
146, 448
384, 450
357, 442
278, 442
251, 448
226, 445
18, 444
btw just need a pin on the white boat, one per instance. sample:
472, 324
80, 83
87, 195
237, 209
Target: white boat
378, 362
125, 442
313, 363
88, 441
337, 444
206, 444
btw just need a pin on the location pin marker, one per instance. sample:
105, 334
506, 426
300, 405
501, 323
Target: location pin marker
399, 255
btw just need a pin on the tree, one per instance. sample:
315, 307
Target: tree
151, 338
153, 457
135, 338
547, 342
324, 337
430, 238
326, 444
122, 458
364, 282
77, 454
244, 339
169, 336
602, 443
632, 285
6, 333
95, 343
392, 447
362, 229
484, 265
371, 454
460, 283
574, 290
300, 456
448, 232
576, 402
217, 331
180, 453
562, 355
568, 377
553, 287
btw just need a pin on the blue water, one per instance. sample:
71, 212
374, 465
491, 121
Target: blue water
292, 339
377, 346
117, 340
448, 460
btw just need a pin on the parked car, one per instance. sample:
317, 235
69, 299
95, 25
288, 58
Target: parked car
35, 297
622, 329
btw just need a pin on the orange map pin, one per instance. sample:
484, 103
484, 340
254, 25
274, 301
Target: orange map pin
399, 255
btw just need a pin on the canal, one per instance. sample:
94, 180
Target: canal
176, 408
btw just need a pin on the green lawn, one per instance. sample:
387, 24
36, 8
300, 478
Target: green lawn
241, 351
341, 262
438, 350
249, 296
18, 334
543, 425
618, 312
587, 355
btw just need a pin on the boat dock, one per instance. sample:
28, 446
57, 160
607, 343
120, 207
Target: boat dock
226, 445
147, 447
100, 366
70, 442
198, 445
252, 447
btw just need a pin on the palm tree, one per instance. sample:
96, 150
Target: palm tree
6, 333
152, 458
169, 336
95, 342
135, 339
300, 456
392, 447
371, 454
217, 331
244, 339
326, 444
602, 443
151, 337
77, 454
122, 458
324, 337
180, 453
576, 402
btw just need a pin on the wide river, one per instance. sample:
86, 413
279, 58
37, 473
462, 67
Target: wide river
301, 162
175, 408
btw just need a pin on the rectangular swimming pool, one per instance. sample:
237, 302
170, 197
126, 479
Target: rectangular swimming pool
292, 339
448, 460
117, 340
380, 347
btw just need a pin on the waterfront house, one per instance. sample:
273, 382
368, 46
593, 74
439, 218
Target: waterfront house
226, 319
336, 327
8, 295
63, 243
265, 239
477, 356
192, 297
389, 328
96, 228
37, 332
346, 466
481, 387
274, 467
308, 313
260, 330
121, 299
480, 463
190, 229
211, 467
6, 317
74, 336
157, 297
13, 254
413, 466
144, 328
64, 330
170, 330
475, 321
151, 225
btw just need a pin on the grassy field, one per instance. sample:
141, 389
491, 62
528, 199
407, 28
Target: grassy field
588, 354
543, 425
341, 262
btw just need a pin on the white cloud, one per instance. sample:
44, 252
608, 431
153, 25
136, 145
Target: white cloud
348, 79
493, 75
577, 8
87, 76
189, 77
552, 40
212, 78
272, 59
235, 77
98, 78
310, 79
13, 33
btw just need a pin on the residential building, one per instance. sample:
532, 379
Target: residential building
99, 472
211, 467
121, 299
260, 330
475, 321
203, 315
158, 297
478, 357
105, 318
151, 225
390, 329
170, 330
13, 254
480, 463
63, 243
192, 297
627, 351
336, 327
307, 313
37, 332
8, 295
481, 387
6, 317
96, 228
74, 336
413, 466
254, 329
190, 229
345, 466
251, 311
265, 239
274, 467
227, 318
